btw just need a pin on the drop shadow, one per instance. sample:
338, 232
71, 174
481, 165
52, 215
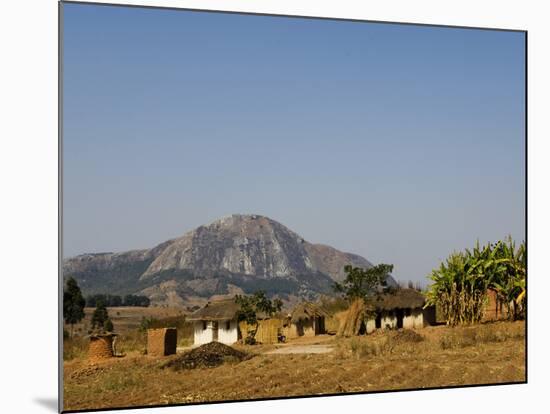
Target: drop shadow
49, 403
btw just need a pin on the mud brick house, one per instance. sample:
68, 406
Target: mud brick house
162, 341
495, 309
306, 319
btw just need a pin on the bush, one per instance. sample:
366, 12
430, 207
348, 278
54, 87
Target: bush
108, 326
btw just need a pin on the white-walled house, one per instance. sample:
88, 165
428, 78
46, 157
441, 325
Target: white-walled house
216, 322
403, 308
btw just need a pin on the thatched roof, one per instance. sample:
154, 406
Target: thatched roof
399, 299
218, 310
307, 310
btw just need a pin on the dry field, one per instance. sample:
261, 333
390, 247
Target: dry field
432, 357
126, 322
126, 318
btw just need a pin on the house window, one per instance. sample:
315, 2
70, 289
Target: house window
204, 325
227, 325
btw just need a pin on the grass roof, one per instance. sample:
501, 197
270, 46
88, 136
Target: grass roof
217, 310
307, 310
399, 299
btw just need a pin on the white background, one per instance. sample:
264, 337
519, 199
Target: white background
28, 207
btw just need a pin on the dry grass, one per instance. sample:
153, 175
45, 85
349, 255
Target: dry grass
493, 353
127, 325
127, 318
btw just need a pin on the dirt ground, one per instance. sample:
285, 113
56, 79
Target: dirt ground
431, 357
302, 349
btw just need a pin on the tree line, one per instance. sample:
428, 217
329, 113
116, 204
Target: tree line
115, 300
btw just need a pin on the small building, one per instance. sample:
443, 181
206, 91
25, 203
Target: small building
306, 319
216, 322
397, 309
401, 308
162, 341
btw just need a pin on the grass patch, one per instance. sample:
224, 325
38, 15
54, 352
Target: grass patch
462, 337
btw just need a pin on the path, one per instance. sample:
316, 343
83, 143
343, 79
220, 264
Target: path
302, 349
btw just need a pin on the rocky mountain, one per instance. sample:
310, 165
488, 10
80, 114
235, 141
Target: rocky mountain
235, 254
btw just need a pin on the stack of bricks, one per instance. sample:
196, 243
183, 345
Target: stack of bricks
162, 341
101, 347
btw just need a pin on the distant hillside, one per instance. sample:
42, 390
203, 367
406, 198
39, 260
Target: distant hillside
235, 254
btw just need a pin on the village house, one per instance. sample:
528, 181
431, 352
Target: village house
397, 309
306, 319
403, 308
216, 322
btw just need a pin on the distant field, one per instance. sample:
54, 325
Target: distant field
126, 318
431, 357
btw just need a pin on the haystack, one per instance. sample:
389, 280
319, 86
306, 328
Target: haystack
355, 319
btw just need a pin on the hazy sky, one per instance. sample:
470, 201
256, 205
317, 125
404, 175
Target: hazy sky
398, 143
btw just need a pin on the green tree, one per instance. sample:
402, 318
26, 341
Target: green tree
363, 283
250, 306
73, 303
108, 325
100, 315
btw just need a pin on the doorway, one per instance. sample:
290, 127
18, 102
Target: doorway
215, 331
399, 314
378, 321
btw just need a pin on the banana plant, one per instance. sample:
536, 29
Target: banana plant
459, 286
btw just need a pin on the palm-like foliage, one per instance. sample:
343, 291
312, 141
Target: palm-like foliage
511, 286
460, 283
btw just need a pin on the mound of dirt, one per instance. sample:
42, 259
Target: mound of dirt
207, 356
407, 335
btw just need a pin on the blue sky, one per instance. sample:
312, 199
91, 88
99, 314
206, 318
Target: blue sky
399, 143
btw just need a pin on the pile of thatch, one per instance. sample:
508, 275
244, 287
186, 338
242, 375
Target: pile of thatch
207, 356
355, 317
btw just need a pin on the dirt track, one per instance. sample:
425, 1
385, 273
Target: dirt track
302, 349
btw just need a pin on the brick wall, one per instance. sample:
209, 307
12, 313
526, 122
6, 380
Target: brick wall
162, 341
494, 310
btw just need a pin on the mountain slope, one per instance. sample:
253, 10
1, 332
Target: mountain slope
235, 254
